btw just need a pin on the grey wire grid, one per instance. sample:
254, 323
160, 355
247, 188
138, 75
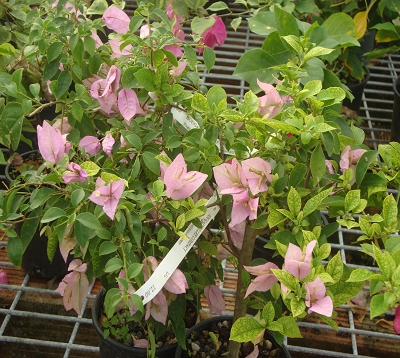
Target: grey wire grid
376, 112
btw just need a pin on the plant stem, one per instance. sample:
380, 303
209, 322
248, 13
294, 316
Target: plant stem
245, 257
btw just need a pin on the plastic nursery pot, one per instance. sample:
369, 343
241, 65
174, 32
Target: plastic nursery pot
10, 174
260, 252
395, 127
206, 324
357, 89
110, 348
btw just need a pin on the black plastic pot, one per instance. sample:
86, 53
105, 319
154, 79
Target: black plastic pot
395, 128
110, 348
208, 322
260, 252
357, 89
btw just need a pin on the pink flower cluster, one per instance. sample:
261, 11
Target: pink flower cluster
243, 181
297, 264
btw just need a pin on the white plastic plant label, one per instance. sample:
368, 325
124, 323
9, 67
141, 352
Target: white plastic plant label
178, 252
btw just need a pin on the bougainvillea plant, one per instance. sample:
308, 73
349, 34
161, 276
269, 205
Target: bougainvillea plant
160, 150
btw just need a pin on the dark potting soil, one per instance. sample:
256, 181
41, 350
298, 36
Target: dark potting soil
201, 345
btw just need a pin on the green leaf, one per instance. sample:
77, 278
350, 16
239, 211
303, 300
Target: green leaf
380, 303
294, 202
39, 196
286, 23
218, 6
146, 77
54, 51
90, 168
149, 158
107, 247
261, 222
316, 52
360, 275
290, 327
63, 83
335, 267
317, 163
208, 248
134, 270
363, 165
389, 213
385, 262
297, 307
52, 214
268, 313
201, 24
77, 196
113, 265
191, 55
245, 329
209, 58
314, 202
89, 220
351, 200
286, 278
200, 103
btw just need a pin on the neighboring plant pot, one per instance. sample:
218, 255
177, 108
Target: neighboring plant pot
110, 348
395, 128
34, 259
260, 252
357, 89
208, 323
10, 169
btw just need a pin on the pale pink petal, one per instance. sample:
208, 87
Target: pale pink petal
177, 71
261, 269
128, 104
78, 266
261, 283
176, 283
110, 206
140, 343
243, 207
257, 172
215, 300
108, 143
178, 182
3, 277
396, 322
271, 103
253, 354
96, 39
230, 177
91, 144
74, 173
159, 308
323, 306
67, 244
51, 143
79, 292
116, 48
345, 159
117, 20
329, 166
62, 125
237, 233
